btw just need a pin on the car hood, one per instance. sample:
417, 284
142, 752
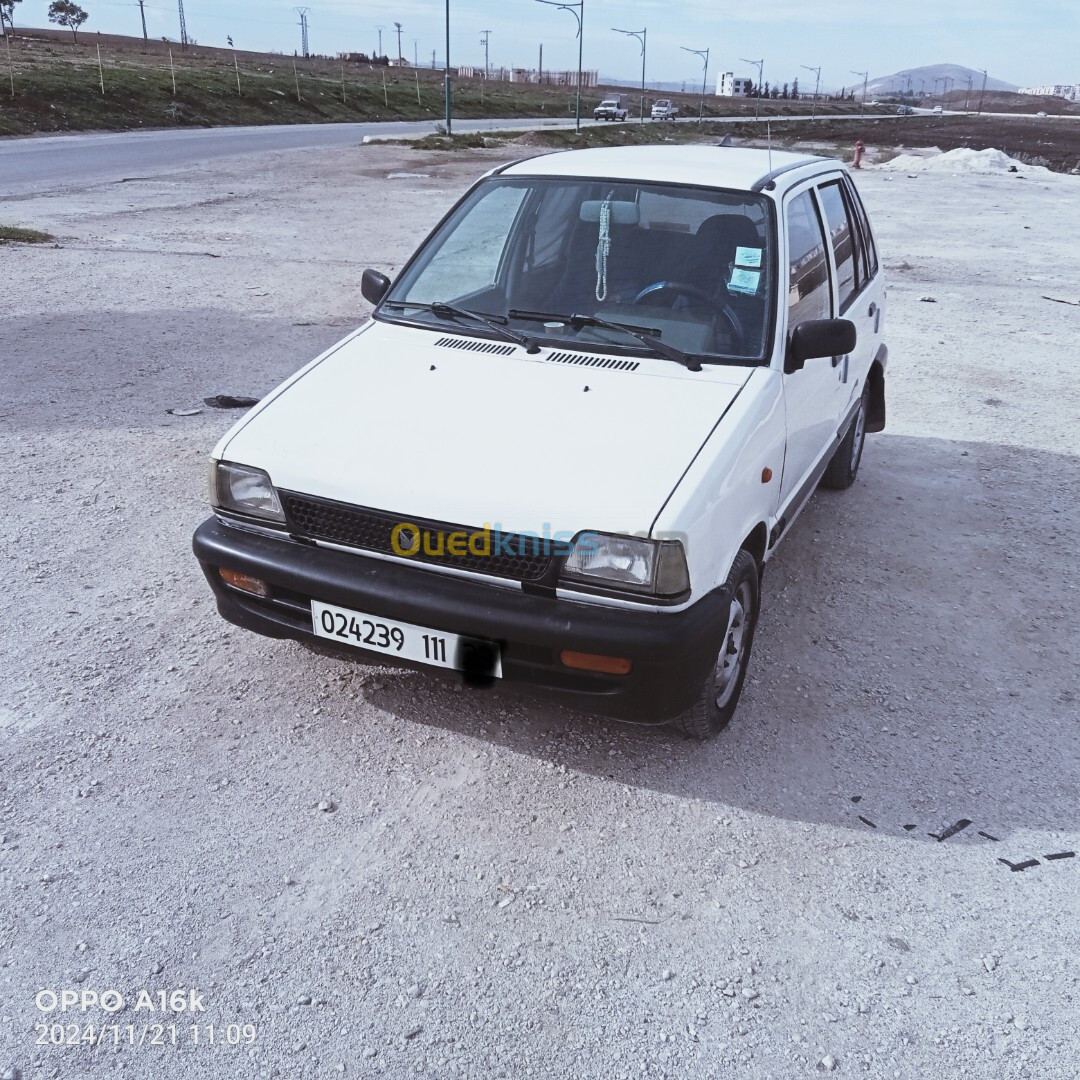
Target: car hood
411, 422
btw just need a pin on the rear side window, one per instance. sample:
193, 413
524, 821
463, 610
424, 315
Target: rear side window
808, 268
844, 243
869, 250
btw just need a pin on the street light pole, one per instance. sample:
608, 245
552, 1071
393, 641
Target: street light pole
704, 54
447, 72
760, 65
982, 92
578, 11
817, 87
865, 75
640, 35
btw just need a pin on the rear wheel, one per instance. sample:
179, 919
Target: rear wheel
844, 466
715, 705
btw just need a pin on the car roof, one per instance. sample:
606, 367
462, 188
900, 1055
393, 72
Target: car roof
731, 167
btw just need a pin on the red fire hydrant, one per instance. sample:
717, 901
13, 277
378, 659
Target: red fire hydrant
859, 148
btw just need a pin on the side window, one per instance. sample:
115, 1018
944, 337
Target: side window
844, 244
864, 226
808, 268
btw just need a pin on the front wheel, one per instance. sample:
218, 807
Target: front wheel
715, 705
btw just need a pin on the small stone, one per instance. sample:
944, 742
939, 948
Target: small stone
371, 1052
326, 806
11, 1074
413, 1032
339, 1067
911, 980
304, 999
415, 992
749, 994
666, 974
157, 968
827, 1063
989, 962
1019, 1024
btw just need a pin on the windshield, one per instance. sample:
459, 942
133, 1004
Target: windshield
690, 267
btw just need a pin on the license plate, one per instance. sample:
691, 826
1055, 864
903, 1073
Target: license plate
405, 640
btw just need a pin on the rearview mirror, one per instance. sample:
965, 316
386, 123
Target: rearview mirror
819, 337
374, 285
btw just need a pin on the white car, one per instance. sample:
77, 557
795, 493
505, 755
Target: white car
664, 110
572, 434
610, 109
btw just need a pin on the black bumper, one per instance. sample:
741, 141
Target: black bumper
671, 651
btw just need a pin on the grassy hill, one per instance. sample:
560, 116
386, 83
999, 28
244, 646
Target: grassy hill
58, 87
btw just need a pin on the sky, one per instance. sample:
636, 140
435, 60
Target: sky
1031, 42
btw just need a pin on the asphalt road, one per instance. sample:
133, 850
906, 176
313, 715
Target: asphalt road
31, 165
61, 160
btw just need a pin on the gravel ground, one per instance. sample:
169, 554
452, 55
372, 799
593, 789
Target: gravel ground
394, 877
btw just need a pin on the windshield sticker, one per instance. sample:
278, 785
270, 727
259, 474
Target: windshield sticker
744, 281
747, 256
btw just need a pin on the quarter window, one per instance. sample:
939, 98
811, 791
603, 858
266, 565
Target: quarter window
808, 269
864, 227
844, 246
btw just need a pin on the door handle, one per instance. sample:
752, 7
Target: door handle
873, 309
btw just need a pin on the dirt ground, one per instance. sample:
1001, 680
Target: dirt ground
494, 887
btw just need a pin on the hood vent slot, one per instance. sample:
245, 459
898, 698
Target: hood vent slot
585, 360
475, 346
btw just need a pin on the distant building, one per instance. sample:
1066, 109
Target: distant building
729, 86
1071, 91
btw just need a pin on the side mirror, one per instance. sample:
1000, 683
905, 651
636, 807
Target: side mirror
374, 285
819, 337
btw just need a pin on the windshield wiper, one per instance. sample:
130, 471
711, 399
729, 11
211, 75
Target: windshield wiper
646, 338
449, 311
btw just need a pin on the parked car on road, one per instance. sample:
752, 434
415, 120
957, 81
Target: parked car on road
938, 110
610, 109
575, 429
664, 110
904, 110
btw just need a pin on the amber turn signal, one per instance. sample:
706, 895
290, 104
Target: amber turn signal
244, 582
585, 661
766, 475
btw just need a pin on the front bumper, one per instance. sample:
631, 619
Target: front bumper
671, 652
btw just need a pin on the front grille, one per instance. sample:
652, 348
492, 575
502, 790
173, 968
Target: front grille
520, 558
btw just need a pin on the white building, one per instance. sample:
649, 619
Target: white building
1062, 90
729, 86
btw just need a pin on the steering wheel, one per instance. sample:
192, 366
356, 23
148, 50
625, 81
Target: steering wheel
679, 288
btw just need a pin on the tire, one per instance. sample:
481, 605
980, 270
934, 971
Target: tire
715, 705
844, 467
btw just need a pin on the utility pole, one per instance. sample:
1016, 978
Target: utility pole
641, 35
704, 54
143, 14
760, 65
415, 54
865, 75
303, 13
183, 27
540, 66
982, 92
817, 87
967, 95
378, 51
485, 36
399, 56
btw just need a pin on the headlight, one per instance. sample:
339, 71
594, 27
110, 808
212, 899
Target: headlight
653, 567
244, 490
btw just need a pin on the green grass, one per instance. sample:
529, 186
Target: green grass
13, 234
